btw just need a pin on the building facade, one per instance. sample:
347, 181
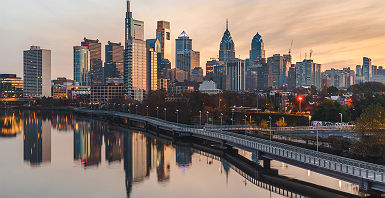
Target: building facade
236, 70
153, 49
183, 52
257, 48
308, 73
135, 60
227, 47
113, 65
82, 65
37, 72
163, 34
106, 93
11, 86
96, 65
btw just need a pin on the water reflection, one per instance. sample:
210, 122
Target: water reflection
37, 139
146, 157
11, 124
87, 144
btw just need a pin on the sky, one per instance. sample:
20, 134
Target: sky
339, 32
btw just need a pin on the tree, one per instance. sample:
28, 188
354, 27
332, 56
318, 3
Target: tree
368, 88
263, 124
332, 90
281, 122
330, 111
370, 127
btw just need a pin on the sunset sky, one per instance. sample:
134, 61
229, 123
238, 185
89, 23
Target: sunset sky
339, 32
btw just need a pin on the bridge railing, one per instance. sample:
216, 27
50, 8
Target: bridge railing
299, 128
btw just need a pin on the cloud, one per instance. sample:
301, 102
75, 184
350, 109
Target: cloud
339, 32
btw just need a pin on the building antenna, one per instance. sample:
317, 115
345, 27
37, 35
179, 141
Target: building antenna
311, 53
227, 24
291, 47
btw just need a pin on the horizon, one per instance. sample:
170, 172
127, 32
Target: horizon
343, 34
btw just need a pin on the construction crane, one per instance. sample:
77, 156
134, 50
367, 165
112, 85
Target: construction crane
291, 46
311, 53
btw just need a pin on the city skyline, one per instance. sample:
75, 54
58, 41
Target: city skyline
340, 33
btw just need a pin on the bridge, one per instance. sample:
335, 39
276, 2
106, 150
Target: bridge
369, 176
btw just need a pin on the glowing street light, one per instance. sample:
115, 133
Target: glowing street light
300, 98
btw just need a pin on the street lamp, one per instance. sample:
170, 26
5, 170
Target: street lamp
200, 118
341, 119
177, 116
300, 98
165, 113
270, 129
232, 117
136, 106
147, 109
157, 112
207, 113
245, 119
221, 119
309, 120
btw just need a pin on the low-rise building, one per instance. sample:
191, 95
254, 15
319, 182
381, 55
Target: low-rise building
11, 86
106, 93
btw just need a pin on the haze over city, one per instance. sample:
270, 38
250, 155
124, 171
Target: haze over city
340, 33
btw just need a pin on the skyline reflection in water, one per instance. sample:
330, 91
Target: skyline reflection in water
111, 159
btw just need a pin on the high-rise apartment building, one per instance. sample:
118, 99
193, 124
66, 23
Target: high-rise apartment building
96, 63
291, 78
308, 73
37, 72
82, 64
227, 47
163, 34
113, 65
135, 61
153, 50
257, 48
236, 70
278, 66
195, 59
183, 52
339, 78
367, 69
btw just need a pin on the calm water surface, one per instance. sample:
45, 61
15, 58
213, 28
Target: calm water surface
59, 155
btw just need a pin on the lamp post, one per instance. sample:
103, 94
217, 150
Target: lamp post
221, 119
245, 119
136, 107
207, 113
147, 109
165, 113
157, 112
309, 120
300, 104
270, 129
200, 118
177, 116
341, 119
232, 117
317, 137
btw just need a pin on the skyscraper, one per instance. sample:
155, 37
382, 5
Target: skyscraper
153, 49
183, 52
308, 73
96, 66
227, 49
37, 72
113, 66
367, 69
236, 69
82, 65
135, 62
163, 34
257, 47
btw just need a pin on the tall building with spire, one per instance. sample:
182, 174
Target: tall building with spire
135, 70
257, 48
227, 48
